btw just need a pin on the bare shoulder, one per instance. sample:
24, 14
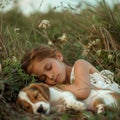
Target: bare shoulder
80, 62
83, 64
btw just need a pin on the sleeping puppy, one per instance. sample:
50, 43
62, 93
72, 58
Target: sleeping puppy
40, 98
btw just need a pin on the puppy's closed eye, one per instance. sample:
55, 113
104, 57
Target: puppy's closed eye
36, 95
26, 108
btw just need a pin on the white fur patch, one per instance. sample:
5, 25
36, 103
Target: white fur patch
22, 95
100, 109
69, 99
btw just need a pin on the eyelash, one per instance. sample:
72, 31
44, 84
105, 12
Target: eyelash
36, 95
43, 77
49, 67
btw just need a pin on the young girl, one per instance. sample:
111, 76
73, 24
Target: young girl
49, 65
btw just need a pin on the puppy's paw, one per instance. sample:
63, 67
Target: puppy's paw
76, 105
100, 109
80, 106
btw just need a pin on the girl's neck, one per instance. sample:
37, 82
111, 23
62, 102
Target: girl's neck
68, 73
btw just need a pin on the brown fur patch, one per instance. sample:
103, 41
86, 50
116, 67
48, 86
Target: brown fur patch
117, 97
37, 92
24, 105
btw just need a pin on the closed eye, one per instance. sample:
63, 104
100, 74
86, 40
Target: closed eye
36, 96
48, 67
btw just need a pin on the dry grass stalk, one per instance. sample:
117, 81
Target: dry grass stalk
3, 45
0, 67
108, 40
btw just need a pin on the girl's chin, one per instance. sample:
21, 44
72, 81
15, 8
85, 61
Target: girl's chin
52, 84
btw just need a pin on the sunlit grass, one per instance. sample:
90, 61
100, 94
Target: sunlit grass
92, 34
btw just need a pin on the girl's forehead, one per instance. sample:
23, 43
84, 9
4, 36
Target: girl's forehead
45, 60
38, 65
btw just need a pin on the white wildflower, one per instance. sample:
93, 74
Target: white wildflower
50, 42
14, 59
98, 52
63, 37
16, 29
110, 57
44, 24
93, 43
97, 41
85, 52
89, 45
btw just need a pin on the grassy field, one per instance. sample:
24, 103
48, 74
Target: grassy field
93, 34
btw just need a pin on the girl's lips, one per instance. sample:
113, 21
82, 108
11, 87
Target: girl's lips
57, 78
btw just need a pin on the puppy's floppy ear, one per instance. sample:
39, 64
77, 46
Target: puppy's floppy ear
43, 89
18, 102
46, 90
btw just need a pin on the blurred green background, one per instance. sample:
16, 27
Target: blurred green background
92, 34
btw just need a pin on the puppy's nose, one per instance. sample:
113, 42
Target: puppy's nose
41, 110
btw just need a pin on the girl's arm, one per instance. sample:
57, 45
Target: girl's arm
81, 87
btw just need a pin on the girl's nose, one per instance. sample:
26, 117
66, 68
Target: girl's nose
50, 76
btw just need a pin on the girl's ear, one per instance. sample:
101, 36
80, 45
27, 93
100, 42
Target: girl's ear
59, 56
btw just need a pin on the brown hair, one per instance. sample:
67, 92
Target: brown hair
39, 53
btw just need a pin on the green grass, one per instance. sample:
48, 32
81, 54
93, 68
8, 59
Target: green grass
93, 34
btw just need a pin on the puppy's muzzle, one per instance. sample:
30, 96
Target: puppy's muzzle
41, 110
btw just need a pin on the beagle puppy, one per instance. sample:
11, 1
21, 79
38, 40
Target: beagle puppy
40, 98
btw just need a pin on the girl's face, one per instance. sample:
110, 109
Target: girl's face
50, 70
